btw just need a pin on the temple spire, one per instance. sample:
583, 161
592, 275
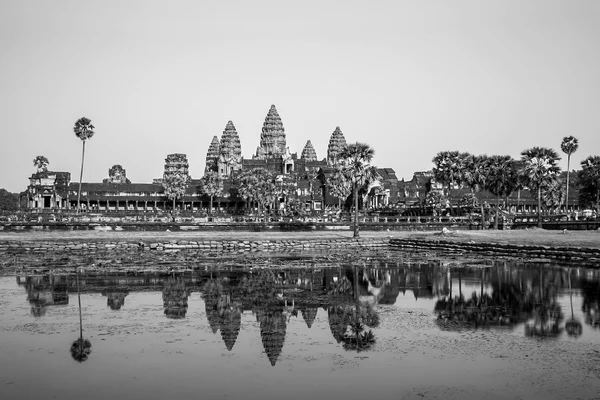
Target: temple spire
272, 138
309, 153
337, 142
212, 155
230, 151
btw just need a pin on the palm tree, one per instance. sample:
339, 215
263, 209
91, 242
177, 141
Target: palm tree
573, 326
84, 130
501, 180
80, 348
355, 161
41, 163
475, 173
569, 146
540, 165
448, 169
340, 186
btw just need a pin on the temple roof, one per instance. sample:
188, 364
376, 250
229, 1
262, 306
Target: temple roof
309, 153
337, 142
230, 146
272, 138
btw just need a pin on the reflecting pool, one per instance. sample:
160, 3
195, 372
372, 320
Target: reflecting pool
428, 328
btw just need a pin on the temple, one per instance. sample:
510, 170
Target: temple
54, 190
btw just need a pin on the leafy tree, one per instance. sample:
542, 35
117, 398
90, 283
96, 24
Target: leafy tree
502, 179
340, 186
553, 194
8, 201
175, 177
589, 182
569, 145
539, 167
355, 162
448, 169
247, 186
436, 200
84, 130
212, 185
41, 163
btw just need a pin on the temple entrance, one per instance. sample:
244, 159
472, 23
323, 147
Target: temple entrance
47, 202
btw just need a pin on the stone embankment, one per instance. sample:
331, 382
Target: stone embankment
208, 246
575, 254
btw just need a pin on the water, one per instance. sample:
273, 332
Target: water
414, 328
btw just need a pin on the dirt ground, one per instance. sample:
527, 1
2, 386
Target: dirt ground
525, 237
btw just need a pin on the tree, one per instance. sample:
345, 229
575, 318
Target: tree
448, 169
437, 201
175, 177
589, 182
41, 163
247, 186
540, 165
569, 146
474, 175
212, 185
340, 186
355, 161
502, 179
80, 348
84, 130
8, 201
553, 194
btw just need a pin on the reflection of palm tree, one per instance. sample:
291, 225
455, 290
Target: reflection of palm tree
358, 340
573, 327
81, 348
175, 297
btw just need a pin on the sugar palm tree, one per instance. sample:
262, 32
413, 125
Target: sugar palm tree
569, 146
475, 172
355, 161
573, 326
80, 348
84, 130
540, 165
501, 180
212, 185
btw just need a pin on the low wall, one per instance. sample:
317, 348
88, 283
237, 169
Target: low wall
248, 227
585, 255
205, 246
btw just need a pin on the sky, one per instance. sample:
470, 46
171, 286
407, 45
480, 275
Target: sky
410, 78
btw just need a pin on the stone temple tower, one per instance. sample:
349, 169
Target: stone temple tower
272, 138
337, 142
212, 155
309, 153
230, 151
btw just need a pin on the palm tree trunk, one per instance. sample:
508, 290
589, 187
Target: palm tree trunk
211, 204
482, 213
567, 198
539, 210
173, 204
80, 176
497, 212
356, 210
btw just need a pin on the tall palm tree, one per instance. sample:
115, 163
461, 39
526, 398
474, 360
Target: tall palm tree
84, 130
573, 326
355, 160
81, 348
540, 165
569, 146
501, 180
475, 172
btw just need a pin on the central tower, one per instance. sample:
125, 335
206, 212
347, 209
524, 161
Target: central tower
272, 138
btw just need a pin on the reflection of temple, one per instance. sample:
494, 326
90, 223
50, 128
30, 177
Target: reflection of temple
272, 331
44, 291
115, 299
175, 297
223, 313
